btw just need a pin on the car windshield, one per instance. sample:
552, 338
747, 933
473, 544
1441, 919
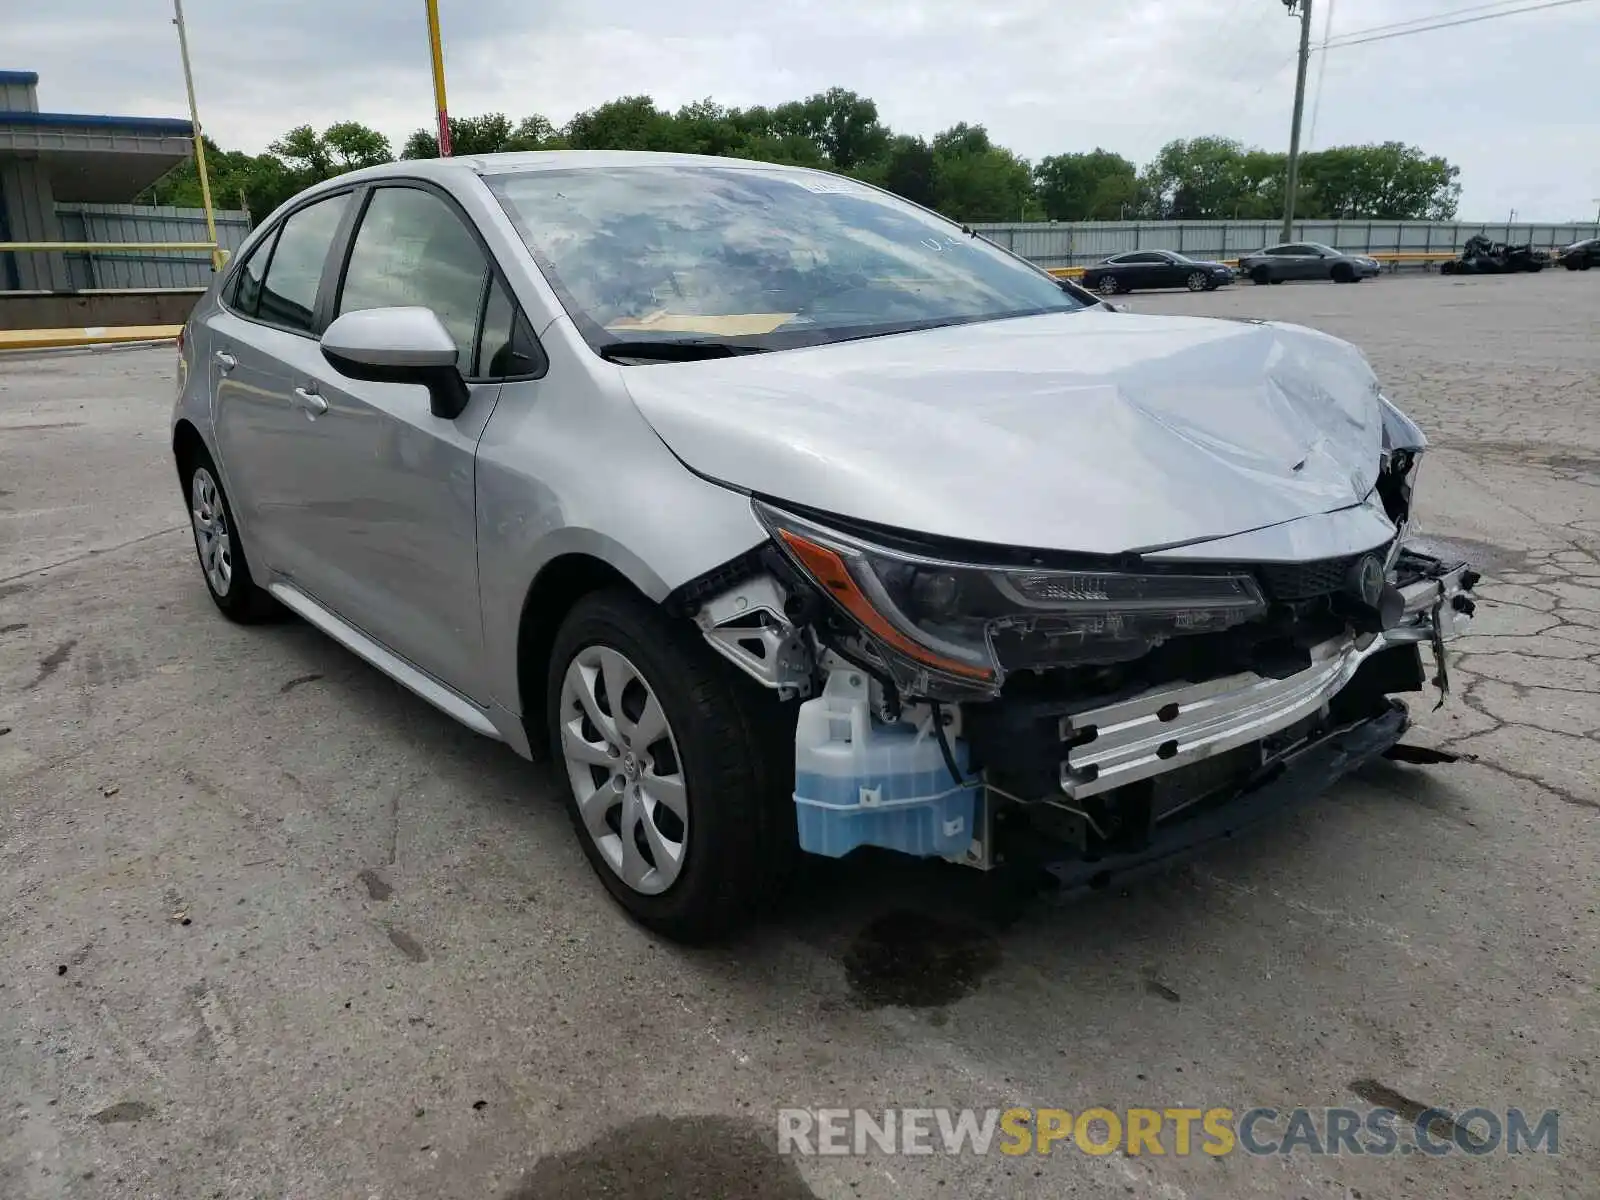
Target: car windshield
764, 258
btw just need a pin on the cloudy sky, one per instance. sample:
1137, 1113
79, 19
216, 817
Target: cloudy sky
1514, 102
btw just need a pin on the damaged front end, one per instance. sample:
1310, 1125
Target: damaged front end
979, 703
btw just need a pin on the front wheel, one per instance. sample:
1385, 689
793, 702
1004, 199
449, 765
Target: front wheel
1260, 275
1198, 281
679, 776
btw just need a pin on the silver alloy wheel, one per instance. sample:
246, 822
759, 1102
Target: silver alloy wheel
211, 535
1108, 285
626, 775
1197, 281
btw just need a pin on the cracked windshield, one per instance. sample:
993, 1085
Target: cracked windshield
763, 258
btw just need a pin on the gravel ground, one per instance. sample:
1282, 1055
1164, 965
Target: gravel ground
272, 927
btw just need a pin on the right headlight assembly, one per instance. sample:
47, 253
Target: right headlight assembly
946, 627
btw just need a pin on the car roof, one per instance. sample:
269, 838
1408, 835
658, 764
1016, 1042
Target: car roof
560, 160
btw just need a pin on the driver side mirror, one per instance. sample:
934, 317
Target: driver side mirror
399, 345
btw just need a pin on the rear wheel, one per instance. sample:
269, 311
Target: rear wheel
1198, 281
1260, 275
679, 774
1586, 263
223, 564
1108, 285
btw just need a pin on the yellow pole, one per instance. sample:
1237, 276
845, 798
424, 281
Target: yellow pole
436, 48
199, 138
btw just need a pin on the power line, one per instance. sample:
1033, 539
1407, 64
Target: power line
1322, 68
1353, 40
1433, 16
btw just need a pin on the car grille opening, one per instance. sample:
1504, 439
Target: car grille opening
1304, 580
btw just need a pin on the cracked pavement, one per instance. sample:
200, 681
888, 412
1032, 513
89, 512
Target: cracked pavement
270, 926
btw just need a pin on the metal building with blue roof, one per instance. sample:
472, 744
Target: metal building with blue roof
51, 158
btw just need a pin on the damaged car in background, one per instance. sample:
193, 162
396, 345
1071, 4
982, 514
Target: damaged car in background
783, 514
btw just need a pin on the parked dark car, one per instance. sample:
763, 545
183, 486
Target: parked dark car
1480, 256
1306, 260
1580, 256
1155, 269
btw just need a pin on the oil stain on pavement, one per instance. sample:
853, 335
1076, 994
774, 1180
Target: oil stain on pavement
123, 1112
378, 888
407, 945
51, 663
918, 960
670, 1158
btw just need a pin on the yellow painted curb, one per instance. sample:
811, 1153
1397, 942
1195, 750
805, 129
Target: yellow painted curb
87, 335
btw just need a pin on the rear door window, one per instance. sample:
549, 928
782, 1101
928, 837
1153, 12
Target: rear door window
244, 291
289, 294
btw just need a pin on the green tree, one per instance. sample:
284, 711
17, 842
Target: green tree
1097, 186
314, 156
976, 180
1196, 179
256, 183
491, 133
631, 123
1388, 182
961, 172
910, 170
354, 145
845, 127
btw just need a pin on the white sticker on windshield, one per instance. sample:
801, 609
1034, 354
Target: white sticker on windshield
828, 187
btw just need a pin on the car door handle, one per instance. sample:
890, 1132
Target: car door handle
309, 401
226, 361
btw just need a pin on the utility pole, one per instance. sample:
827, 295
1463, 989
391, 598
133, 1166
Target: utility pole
199, 138
436, 50
1299, 111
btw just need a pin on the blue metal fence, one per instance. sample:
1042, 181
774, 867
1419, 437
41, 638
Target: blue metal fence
140, 223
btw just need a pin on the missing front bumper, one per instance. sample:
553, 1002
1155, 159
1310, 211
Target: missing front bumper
1294, 779
1164, 730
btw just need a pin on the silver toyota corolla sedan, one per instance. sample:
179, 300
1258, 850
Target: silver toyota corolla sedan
785, 515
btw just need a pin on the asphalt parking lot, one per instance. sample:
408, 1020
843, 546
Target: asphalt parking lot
274, 928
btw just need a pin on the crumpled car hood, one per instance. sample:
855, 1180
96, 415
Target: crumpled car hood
1090, 431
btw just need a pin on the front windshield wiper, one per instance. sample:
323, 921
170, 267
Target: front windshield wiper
676, 350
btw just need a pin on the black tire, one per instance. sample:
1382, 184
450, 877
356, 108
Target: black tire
1260, 275
1586, 263
1574, 265
1343, 274
1109, 285
735, 744
241, 599
1274, 282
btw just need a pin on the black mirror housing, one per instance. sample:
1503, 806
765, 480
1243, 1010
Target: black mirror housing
447, 391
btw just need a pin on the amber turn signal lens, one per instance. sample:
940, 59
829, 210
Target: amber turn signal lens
828, 569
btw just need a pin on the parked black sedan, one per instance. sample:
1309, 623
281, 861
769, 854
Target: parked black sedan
1154, 269
1580, 256
1306, 260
